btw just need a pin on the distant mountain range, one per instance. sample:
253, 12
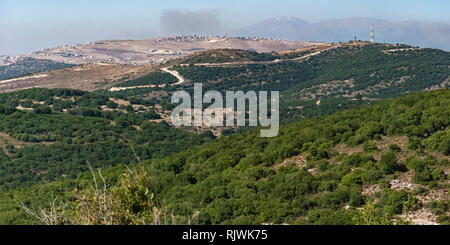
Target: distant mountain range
418, 33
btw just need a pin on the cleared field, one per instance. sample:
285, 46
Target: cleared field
84, 77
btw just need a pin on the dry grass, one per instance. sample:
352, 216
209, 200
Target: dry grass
299, 161
157, 50
86, 77
6, 139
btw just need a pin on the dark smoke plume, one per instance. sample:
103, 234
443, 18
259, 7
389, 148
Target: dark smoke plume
174, 21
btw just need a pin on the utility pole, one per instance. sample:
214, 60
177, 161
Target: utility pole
372, 34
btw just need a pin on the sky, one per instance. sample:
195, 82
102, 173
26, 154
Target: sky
31, 25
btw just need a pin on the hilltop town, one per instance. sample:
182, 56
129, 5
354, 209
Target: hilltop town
152, 51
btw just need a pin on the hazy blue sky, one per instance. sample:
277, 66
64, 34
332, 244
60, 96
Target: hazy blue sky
30, 25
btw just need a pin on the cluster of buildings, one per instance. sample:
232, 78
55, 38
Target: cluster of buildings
7, 60
184, 38
254, 38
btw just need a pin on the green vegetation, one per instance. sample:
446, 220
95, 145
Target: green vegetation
154, 78
27, 66
337, 168
228, 55
52, 144
342, 78
240, 179
367, 65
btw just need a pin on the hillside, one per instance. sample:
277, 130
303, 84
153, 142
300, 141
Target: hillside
97, 65
381, 164
26, 66
51, 136
319, 72
338, 76
48, 135
88, 77
156, 50
314, 81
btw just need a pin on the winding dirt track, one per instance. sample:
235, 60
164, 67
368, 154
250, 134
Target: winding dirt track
180, 78
175, 74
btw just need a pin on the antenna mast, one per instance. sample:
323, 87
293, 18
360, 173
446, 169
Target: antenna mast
372, 34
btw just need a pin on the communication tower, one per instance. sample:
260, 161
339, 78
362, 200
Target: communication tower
372, 34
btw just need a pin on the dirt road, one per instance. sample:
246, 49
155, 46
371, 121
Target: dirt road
175, 74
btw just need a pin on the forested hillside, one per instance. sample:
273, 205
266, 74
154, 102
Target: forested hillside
47, 135
381, 164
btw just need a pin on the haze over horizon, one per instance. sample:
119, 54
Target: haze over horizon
27, 26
